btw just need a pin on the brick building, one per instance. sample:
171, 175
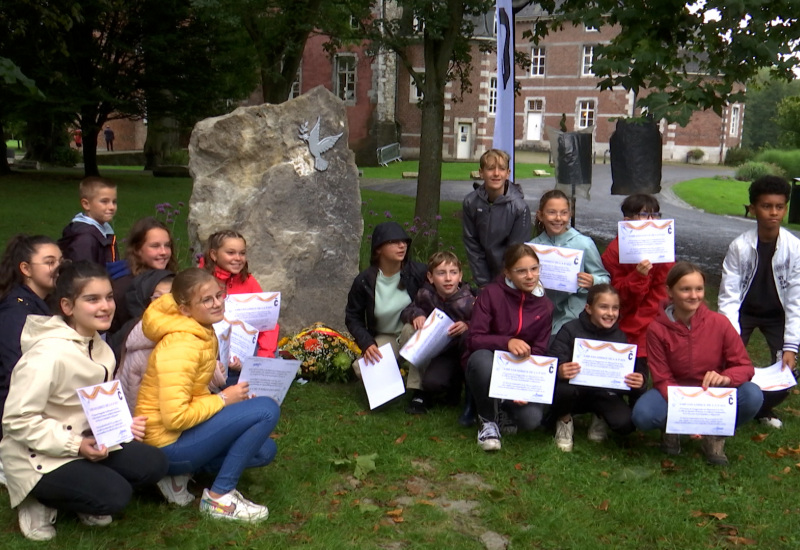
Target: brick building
381, 97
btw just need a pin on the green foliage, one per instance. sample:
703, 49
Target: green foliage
686, 56
738, 155
761, 101
450, 171
751, 171
788, 120
787, 160
66, 156
695, 154
179, 157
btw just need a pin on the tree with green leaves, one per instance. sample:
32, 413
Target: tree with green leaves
761, 100
679, 57
787, 120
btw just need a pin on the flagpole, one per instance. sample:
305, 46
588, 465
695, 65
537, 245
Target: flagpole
505, 119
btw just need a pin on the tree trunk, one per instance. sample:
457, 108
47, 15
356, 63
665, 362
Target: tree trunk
162, 140
42, 137
429, 183
90, 150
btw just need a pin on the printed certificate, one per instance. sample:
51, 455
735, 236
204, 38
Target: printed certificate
603, 364
531, 379
260, 309
774, 378
559, 267
690, 410
382, 380
269, 377
429, 341
107, 413
652, 240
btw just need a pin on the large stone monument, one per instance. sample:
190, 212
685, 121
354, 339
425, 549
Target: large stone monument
283, 176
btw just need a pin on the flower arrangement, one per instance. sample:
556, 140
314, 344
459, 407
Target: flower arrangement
326, 355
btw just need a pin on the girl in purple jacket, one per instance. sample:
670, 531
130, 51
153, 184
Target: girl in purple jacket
511, 314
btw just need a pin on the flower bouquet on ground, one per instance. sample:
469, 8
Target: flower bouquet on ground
326, 355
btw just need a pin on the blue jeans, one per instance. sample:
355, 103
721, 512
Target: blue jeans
650, 411
235, 438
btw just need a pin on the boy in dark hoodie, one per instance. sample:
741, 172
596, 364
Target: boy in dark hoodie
495, 216
444, 291
89, 236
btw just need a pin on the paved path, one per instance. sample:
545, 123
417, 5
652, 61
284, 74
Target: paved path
699, 237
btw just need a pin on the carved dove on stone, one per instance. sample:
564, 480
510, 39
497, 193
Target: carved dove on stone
317, 146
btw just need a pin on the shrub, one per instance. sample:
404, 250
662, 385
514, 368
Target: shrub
66, 156
789, 161
738, 155
751, 171
178, 157
695, 154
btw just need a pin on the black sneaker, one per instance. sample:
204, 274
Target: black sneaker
417, 405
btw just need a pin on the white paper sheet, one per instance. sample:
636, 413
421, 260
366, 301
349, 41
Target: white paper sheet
531, 379
243, 340
269, 377
223, 331
382, 380
429, 341
690, 410
774, 377
260, 309
559, 267
107, 412
603, 364
652, 240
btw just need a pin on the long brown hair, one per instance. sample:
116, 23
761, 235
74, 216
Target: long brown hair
215, 242
136, 239
545, 198
20, 248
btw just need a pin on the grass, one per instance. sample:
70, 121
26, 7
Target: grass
451, 171
718, 196
432, 487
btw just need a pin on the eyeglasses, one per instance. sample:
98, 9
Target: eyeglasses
51, 264
209, 301
647, 216
525, 270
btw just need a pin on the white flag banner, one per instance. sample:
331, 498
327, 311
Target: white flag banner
504, 115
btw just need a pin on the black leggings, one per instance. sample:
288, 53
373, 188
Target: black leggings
104, 487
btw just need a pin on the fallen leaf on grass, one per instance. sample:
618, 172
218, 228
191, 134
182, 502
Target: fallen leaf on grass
604, 474
398, 520
740, 540
362, 413
433, 495
798, 465
719, 515
518, 466
400, 439
787, 470
668, 465
426, 502
603, 507
395, 513
759, 437
434, 438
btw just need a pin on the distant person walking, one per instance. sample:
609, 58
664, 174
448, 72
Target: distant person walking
109, 135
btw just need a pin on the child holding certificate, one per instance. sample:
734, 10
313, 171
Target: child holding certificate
444, 291
598, 321
761, 283
690, 345
197, 430
641, 286
511, 314
50, 456
552, 223
226, 258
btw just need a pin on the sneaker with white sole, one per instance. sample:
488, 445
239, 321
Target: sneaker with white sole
771, 421
230, 506
176, 489
489, 436
94, 521
598, 429
36, 521
564, 432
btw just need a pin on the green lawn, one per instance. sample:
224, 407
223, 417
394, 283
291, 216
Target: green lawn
451, 171
432, 487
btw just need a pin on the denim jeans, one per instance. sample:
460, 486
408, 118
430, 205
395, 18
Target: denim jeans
650, 411
235, 438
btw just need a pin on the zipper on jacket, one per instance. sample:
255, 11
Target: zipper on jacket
519, 320
105, 370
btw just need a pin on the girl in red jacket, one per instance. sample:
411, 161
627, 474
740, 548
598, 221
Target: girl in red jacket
226, 259
690, 345
511, 314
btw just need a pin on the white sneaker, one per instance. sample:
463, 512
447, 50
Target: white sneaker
94, 521
36, 520
598, 430
229, 506
176, 489
772, 422
489, 437
564, 432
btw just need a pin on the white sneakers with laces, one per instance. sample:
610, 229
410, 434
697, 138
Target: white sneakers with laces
176, 489
232, 506
564, 432
36, 521
489, 436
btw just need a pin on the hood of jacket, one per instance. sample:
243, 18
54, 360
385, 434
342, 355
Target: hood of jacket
40, 327
512, 192
698, 319
388, 231
562, 240
137, 297
599, 333
163, 317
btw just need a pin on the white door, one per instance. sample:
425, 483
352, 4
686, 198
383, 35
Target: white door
464, 141
534, 127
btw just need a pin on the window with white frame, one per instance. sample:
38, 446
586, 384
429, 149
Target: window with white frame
588, 59
536, 104
537, 61
493, 95
415, 94
354, 23
345, 77
418, 25
733, 125
587, 109
591, 29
